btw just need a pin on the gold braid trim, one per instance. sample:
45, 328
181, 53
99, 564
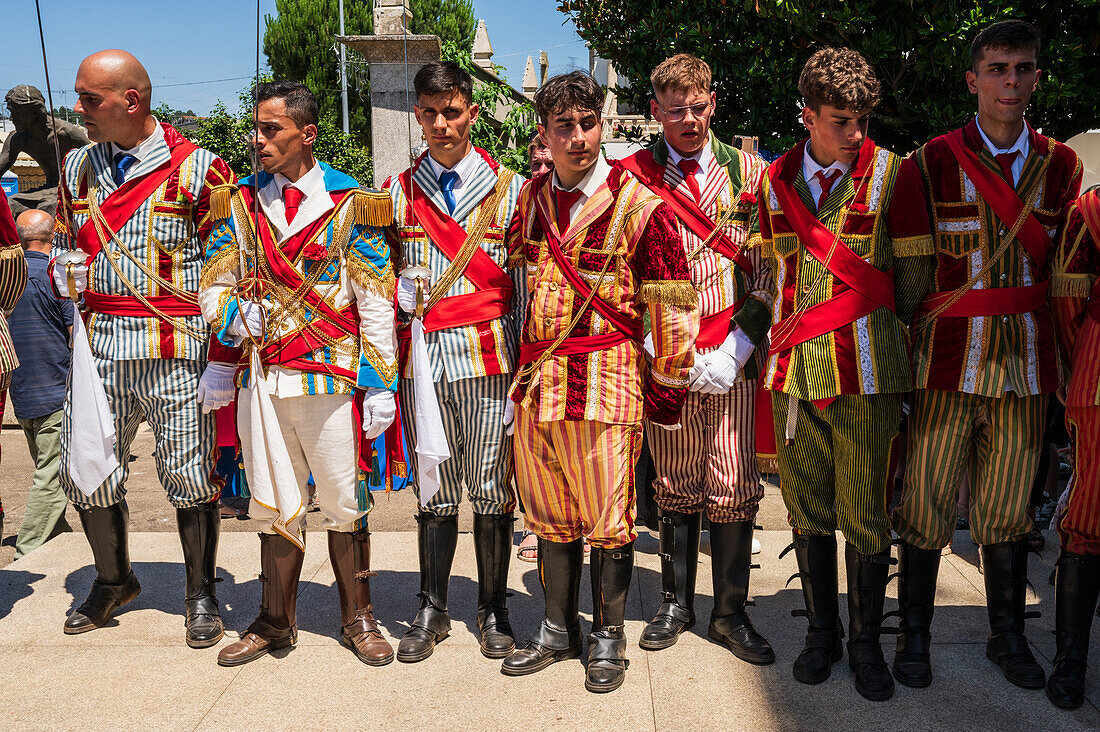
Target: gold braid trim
224, 261
368, 278
1071, 285
914, 246
372, 208
221, 198
675, 293
11, 252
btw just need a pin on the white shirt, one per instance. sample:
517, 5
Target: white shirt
811, 167
588, 185
316, 202
1021, 147
141, 151
464, 168
704, 157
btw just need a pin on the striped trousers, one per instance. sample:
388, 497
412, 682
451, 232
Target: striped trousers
1080, 524
996, 440
710, 462
162, 391
481, 451
834, 472
577, 478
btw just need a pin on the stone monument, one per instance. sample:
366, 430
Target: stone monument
394, 56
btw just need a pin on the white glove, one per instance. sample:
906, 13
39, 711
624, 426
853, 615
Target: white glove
509, 417
379, 411
216, 387
250, 314
721, 372
406, 293
698, 368
61, 279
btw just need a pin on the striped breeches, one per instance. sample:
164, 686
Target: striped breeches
1080, 524
997, 440
834, 472
162, 391
481, 451
710, 462
577, 478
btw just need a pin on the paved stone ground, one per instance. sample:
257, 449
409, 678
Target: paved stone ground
137, 672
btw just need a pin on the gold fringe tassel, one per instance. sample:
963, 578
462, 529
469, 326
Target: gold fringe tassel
676, 293
11, 252
1071, 285
369, 278
216, 266
372, 208
221, 201
914, 246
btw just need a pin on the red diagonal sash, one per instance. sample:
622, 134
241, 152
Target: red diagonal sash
446, 234
121, 204
1001, 198
652, 175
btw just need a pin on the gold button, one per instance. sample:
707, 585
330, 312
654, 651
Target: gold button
1004, 319
1003, 277
809, 258
553, 286
547, 321
1003, 231
805, 289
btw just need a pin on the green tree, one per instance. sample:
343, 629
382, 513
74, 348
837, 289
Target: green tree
919, 48
452, 20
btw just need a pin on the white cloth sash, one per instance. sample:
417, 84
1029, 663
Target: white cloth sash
431, 442
92, 440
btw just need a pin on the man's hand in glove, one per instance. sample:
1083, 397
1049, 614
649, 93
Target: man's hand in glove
61, 279
379, 411
216, 386
406, 293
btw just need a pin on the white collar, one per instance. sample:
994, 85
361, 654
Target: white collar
316, 202
310, 184
142, 150
704, 156
591, 181
1021, 146
811, 167
464, 167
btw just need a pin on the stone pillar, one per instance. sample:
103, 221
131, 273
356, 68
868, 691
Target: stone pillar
482, 50
530, 81
394, 57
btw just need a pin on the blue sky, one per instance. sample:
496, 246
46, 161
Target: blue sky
194, 52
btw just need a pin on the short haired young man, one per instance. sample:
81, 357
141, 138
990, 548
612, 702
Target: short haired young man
451, 212
709, 465
322, 333
843, 222
600, 251
983, 350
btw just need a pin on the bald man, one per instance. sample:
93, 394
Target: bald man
136, 202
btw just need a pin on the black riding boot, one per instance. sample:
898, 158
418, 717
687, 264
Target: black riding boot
917, 573
816, 555
1006, 599
611, 572
679, 566
199, 527
437, 537
559, 636
115, 583
1076, 589
493, 550
867, 575
731, 561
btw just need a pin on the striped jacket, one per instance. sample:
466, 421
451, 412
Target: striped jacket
13, 280
884, 224
347, 259
732, 181
1075, 300
463, 352
647, 274
987, 354
164, 236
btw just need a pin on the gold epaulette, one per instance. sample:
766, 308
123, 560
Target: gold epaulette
914, 246
679, 294
372, 208
1071, 285
221, 197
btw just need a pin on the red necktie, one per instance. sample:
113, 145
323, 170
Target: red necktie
689, 167
826, 179
1005, 160
565, 200
292, 199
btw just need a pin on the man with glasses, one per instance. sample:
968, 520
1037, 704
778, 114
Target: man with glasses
709, 464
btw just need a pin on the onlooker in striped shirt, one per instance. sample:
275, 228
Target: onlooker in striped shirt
40, 327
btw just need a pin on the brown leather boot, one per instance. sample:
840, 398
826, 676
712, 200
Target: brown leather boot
350, 556
276, 626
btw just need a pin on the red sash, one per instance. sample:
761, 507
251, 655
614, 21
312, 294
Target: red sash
714, 328
132, 307
869, 287
643, 165
985, 302
1001, 198
492, 282
121, 204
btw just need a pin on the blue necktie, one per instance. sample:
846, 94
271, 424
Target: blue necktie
123, 161
447, 182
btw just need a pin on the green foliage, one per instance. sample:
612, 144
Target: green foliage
506, 140
919, 48
227, 136
451, 20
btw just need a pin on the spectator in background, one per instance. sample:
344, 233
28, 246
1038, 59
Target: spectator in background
40, 327
539, 156
13, 278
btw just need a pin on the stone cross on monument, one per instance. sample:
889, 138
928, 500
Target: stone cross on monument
394, 56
